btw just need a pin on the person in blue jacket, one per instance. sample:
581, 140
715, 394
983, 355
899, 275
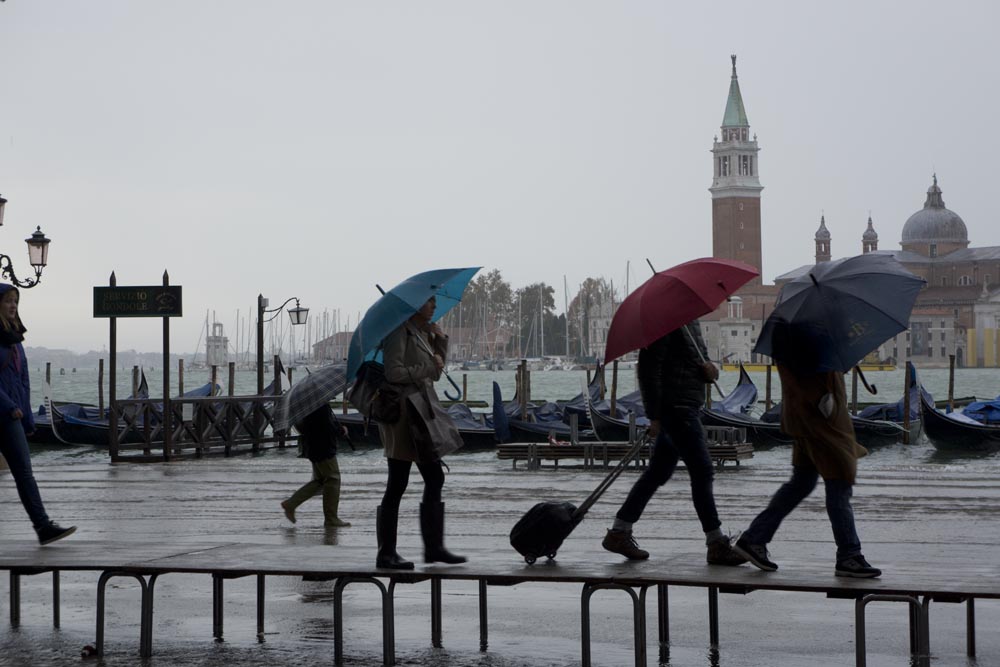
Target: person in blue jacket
16, 418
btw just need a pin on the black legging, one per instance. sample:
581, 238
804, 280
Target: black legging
399, 476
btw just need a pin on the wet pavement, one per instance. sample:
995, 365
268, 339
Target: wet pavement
914, 508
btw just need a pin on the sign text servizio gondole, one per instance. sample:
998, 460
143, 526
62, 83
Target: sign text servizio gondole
152, 301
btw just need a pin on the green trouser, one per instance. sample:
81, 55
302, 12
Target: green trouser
326, 478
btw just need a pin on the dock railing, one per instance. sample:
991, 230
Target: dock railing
199, 426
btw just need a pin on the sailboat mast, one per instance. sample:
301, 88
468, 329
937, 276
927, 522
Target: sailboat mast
566, 310
541, 323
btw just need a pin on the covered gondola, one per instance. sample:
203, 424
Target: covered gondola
955, 432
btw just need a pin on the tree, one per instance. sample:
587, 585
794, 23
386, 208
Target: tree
486, 306
537, 301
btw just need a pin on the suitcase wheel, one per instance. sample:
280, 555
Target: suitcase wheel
552, 556
530, 560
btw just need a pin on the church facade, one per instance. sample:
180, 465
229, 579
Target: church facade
957, 313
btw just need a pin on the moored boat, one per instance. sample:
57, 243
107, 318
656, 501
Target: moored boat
955, 432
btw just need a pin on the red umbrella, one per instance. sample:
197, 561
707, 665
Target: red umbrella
672, 298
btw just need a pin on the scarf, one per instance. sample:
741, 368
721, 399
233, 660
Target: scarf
10, 337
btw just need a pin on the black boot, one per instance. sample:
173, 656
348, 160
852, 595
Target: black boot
432, 528
385, 530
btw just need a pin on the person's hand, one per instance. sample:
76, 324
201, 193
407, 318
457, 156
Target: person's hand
16, 413
436, 329
654, 428
343, 430
710, 371
439, 362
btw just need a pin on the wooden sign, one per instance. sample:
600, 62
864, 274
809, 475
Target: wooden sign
152, 301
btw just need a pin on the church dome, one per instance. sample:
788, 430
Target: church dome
934, 223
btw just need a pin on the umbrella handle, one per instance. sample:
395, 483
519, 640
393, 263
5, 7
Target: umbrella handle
457, 388
702, 357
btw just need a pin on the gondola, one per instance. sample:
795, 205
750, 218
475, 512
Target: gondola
542, 426
955, 432
476, 434
614, 429
733, 411
870, 433
76, 424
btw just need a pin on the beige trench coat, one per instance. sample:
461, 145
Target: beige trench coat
410, 366
827, 443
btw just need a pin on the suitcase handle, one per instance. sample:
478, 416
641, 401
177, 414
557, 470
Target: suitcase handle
609, 479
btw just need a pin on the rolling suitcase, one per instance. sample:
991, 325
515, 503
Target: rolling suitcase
541, 531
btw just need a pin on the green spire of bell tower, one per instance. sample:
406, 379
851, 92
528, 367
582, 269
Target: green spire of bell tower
736, 115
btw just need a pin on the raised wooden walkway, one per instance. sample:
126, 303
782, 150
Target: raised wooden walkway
915, 585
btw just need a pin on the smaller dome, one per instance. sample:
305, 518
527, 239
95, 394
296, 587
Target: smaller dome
870, 233
934, 223
822, 234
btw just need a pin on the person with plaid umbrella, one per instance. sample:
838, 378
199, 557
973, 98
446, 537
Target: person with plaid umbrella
306, 406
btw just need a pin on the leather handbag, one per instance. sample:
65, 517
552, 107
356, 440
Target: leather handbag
373, 396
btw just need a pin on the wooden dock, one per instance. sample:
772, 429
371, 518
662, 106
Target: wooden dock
916, 585
725, 444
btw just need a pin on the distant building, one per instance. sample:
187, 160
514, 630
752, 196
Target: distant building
598, 322
958, 313
217, 347
333, 348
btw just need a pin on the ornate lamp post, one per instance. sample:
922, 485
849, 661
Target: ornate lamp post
298, 315
38, 255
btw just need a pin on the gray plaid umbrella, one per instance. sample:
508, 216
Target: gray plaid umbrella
308, 394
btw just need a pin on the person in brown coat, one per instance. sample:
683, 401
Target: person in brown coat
414, 357
814, 412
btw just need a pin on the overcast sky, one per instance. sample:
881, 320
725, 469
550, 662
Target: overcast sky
315, 148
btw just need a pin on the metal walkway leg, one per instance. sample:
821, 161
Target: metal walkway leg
146, 615
388, 622
483, 617
713, 616
436, 613
918, 626
638, 619
663, 613
15, 595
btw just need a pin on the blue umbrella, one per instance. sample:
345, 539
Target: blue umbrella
399, 304
832, 317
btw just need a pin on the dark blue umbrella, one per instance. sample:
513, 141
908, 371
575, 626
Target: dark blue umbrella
832, 317
399, 304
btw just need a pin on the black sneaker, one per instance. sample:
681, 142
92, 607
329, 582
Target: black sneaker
857, 567
53, 532
755, 553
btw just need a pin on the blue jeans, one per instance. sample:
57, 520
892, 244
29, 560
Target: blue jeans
14, 447
794, 491
681, 437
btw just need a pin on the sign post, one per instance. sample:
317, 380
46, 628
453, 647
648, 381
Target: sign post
144, 301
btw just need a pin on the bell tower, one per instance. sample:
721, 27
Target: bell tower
736, 187
822, 239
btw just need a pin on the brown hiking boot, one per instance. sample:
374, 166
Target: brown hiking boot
721, 553
620, 542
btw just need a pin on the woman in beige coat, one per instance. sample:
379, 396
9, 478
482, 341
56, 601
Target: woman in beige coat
414, 356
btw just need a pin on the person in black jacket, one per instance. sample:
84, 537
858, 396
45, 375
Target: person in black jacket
318, 433
672, 373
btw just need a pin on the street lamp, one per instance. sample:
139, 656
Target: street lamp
298, 315
38, 255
